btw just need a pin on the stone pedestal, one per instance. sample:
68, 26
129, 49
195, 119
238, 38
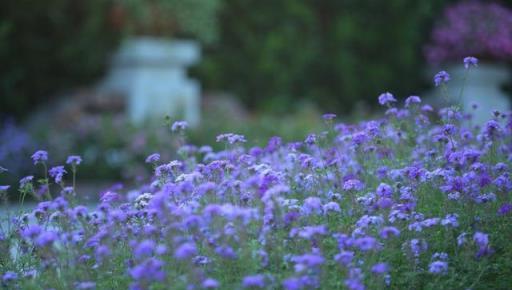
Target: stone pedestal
151, 74
482, 87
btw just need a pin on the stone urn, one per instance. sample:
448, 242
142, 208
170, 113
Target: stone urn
151, 73
483, 87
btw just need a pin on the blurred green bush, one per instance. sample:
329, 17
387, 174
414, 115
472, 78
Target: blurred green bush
336, 53
49, 46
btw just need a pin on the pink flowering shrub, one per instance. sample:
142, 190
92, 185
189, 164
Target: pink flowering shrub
479, 28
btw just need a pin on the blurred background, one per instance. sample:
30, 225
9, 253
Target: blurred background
97, 77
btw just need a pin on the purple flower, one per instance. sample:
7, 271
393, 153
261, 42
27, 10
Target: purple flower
57, 173
384, 190
9, 276
293, 284
380, 268
87, 285
179, 126
353, 184
39, 156
388, 232
441, 77
505, 208
331, 207
31, 232
367, 244
153, 158
438, 267
329, 116
210, 283
26, 180
46, 239
148, 271
386, 98
482, 241
344, 258
4, 188
231, 138
74, 160
412, 100
144, 249
185, 251
254, 281
470, 61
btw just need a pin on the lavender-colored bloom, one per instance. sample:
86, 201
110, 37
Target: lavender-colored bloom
153, 158
344, 258
505, 209
87, 285
185, 251
461, 239
438, 267
144, 249
329, 116
57, 173
4, 188
384, 190
31, 232
231, 138
293, 284
74, 160
411, 100
26, 180
210, 283
367, 244
254, 281
9, 277
380, 268
331, 207
149, 270
353, 184
46, 238
386, 98
179, 126
470, 61
387, 232
39, 156
441, 77
482, 241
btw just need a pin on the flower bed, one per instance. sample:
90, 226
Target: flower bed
415, 200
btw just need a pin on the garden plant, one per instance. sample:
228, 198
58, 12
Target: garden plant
418, 199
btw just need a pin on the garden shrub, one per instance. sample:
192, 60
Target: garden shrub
47, 47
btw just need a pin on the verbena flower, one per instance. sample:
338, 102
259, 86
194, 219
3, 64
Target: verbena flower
74, 160
153, 158
386, 98
57, 173
441, 77
254, 281
470, 61
438, 267
179, 126
39, 156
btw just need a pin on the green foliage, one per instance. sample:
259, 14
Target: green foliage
48, 46
337, 53
191, 18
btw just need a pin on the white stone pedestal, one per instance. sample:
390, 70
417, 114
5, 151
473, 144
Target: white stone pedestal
482, 87
151, 74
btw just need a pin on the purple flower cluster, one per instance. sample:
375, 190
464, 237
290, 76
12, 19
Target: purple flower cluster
477, 28
401, 192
